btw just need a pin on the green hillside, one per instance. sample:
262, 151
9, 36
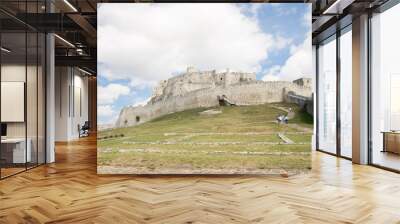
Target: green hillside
239, 139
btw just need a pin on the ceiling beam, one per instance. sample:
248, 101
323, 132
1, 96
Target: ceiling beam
338, 6
86, 27
77, 61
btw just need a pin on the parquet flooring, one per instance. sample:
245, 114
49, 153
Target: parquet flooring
70, 191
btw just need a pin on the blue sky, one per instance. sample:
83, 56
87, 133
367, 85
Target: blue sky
146, 43
287, 20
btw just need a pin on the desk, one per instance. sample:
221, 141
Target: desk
13, 150
391, 141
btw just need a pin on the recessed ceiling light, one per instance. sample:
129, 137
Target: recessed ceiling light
70, 5
84, 71
64, 40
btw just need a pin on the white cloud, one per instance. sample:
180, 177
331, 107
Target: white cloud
140, 101
108, 94
107, 114
281, 42
145, 43
298, 65
272, 74
105, 111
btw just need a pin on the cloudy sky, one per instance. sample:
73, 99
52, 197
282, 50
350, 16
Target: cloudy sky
141, 44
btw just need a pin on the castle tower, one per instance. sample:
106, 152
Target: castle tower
191, 69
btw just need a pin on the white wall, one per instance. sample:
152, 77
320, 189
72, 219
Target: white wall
17, 73
71, 87
80, 104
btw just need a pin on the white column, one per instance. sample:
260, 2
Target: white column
63, 101
50, 92
360, 89
50, 99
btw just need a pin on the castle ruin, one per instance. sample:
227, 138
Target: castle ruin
195, 89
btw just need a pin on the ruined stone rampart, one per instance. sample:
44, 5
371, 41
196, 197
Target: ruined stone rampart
201, 89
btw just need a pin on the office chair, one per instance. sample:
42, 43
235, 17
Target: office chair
84, 130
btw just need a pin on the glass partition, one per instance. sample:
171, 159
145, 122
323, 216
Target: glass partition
22, 107
327, 95
14, 155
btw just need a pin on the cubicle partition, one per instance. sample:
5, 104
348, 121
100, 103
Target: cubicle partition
22, 77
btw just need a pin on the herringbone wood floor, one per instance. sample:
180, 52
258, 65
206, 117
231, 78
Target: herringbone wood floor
69, 191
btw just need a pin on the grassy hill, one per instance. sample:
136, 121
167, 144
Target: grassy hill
239, 139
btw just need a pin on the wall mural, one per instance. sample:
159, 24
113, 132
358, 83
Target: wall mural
204, 88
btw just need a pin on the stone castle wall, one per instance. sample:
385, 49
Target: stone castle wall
194, 80
200, 89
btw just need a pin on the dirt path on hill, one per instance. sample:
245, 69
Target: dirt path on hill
285, 138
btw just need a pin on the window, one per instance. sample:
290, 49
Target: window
327, 95
385, 89
346, 93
